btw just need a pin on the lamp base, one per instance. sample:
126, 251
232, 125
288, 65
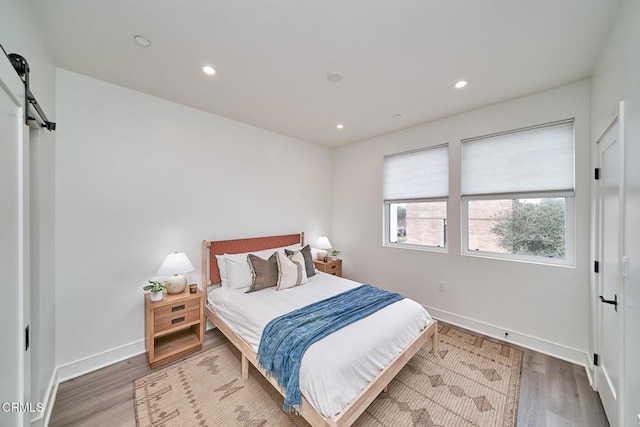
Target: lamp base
176, 284
322, 255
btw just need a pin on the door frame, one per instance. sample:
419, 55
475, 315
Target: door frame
596, 304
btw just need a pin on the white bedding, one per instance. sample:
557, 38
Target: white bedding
335, 369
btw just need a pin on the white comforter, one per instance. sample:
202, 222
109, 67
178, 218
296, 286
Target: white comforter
335, 369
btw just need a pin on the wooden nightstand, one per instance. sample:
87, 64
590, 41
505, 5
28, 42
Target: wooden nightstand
331, 267
174, 327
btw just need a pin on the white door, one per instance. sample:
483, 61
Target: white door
608, 373
13, 247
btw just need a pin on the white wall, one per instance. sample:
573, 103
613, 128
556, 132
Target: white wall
138, 177
617, 78
543, 307
19, 33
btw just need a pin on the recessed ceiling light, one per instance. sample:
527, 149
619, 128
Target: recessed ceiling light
334, 76
340, 126
460, 84
142, 41
208, 69
397, 116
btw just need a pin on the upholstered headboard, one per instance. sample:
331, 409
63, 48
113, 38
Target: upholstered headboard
210, 272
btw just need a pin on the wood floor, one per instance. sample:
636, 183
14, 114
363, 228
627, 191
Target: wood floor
552, 393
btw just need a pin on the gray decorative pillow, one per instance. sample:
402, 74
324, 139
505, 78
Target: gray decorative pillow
264, 272
308, 259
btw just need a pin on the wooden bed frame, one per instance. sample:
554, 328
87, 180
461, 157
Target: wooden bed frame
211, 275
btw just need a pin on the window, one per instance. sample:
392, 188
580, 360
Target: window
416, 190
518, 193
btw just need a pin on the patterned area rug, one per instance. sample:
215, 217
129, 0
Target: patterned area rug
474, 381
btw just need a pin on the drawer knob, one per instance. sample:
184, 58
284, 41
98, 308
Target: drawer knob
177, 320
177, 308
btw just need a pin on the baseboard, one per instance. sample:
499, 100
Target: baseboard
589, 368
91, 363
80, 367
559, 351
42, 420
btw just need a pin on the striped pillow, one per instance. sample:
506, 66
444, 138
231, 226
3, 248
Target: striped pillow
308, 259
291, 272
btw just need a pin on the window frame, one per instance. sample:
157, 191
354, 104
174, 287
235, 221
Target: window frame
387, 226
569, 227
386, 206
567, 193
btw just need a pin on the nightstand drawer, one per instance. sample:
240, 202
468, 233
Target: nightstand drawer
176, 308
178, 318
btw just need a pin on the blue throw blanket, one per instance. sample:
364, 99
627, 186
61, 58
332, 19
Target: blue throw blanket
286, 338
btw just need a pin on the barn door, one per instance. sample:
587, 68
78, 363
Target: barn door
14, 248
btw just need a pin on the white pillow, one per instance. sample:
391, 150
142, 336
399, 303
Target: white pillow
238, 270
291, 272
294, 247
237, 265
222, 268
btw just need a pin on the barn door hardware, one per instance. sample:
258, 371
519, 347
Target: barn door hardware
22, 68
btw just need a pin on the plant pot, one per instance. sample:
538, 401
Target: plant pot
157, 296
334, 257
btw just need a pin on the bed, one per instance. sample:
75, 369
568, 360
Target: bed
337, 387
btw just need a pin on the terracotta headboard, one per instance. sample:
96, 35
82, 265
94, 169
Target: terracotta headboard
210, 272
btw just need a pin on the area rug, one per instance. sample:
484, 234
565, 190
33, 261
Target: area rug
473, 381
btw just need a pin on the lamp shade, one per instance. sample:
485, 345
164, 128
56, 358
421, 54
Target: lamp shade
323, 243
175, 263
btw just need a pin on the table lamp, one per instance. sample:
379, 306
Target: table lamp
323, 243
174, 264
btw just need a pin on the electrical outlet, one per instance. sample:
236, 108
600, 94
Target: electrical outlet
441, 286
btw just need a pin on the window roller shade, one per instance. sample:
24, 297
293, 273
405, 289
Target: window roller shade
422, 174
531, 160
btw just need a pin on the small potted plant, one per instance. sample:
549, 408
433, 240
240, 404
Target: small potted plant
334, 253
157, 289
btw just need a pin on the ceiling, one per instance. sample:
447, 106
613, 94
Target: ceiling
273, 56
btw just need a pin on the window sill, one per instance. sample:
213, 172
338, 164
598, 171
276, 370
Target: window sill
519, 258
412, 247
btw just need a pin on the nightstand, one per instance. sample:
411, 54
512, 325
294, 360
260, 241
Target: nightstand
174, 327
330, 267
